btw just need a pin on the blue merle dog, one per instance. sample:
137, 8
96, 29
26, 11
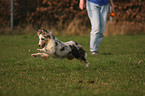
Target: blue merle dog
52, 47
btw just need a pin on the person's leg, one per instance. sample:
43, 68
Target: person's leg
99, 35
94, 16
98, 17
103, 16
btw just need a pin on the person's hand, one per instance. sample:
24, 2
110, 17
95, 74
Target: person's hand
112, 6
113, 9
81, 5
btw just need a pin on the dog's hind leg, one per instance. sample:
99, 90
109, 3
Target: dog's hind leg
75, 51
41, 55
70, 57
83, 56
85, 61
79, 54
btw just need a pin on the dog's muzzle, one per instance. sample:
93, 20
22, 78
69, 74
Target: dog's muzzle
42, 45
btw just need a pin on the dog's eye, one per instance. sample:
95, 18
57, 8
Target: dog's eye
42, 39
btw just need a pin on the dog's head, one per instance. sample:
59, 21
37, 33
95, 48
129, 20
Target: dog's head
44, 37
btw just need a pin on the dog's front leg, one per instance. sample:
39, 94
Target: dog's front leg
41, 55
41, 50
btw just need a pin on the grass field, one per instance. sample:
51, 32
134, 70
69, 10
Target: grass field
119, 70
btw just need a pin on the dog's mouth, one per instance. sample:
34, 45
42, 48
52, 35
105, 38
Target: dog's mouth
43, 45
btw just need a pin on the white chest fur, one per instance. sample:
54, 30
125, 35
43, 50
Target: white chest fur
50, 47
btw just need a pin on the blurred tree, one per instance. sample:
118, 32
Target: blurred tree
62, 12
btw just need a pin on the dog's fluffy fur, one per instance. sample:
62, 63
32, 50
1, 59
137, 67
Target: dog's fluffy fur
52, 47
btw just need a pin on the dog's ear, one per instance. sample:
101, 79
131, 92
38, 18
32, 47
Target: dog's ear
39, 32
49, 32
44, 32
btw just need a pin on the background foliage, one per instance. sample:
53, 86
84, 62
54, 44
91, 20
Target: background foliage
62, 12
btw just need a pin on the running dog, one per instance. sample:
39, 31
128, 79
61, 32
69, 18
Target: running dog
52, 47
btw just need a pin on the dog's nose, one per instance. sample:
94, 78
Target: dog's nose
39, 45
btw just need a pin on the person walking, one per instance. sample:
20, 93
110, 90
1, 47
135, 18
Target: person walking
97, 12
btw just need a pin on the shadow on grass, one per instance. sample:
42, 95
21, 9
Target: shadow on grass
106, 54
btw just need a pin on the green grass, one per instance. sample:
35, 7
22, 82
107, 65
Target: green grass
119, 69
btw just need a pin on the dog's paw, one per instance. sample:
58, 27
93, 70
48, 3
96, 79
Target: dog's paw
87, 65
39, 50
35, 55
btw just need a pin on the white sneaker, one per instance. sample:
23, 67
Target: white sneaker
95, 53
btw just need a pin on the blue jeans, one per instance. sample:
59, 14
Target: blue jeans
98, 16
